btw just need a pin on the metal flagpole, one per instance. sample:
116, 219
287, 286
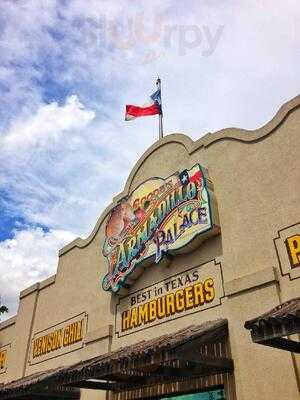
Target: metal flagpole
160, 117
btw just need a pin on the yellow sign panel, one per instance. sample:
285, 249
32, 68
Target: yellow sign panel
60, 339
188, 292
161, 216
287, 245
190, 297
293, 248
3, 358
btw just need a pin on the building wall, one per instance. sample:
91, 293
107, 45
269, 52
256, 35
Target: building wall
7, 337
255, 176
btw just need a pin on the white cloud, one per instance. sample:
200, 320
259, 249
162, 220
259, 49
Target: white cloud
47, 125
29, 257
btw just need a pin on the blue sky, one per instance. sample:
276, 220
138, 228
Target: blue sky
66, 73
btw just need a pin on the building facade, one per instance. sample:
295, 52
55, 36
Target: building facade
206, 234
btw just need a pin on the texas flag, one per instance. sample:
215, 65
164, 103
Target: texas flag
192, 175
153, 108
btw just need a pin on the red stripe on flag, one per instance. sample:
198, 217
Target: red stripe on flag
135, 111
196, 177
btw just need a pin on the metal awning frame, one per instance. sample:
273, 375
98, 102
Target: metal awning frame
118, 374
276, 327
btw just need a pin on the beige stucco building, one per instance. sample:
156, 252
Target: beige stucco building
203, 231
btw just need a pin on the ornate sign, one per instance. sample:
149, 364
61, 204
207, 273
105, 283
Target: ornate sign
193, 290
160, 217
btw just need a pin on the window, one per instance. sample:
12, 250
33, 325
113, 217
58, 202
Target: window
217, 394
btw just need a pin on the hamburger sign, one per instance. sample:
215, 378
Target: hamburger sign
160, 217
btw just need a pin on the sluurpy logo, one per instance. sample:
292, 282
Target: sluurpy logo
160, 217
139, 38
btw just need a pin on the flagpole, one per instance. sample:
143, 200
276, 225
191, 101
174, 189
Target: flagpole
160, 116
